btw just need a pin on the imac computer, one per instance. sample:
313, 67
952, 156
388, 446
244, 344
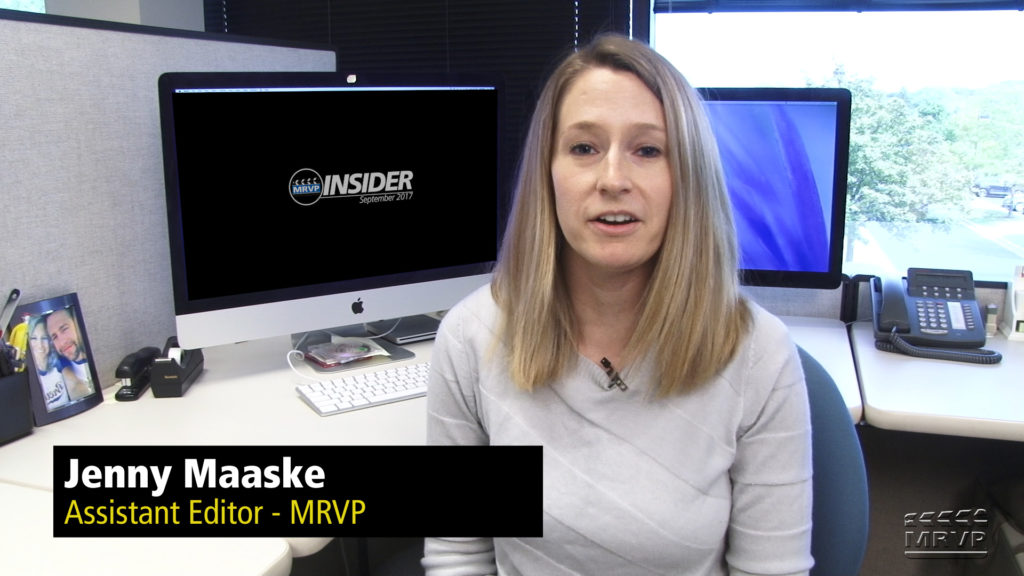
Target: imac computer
785, 156
304, 201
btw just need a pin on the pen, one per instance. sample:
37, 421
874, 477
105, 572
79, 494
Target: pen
8, 309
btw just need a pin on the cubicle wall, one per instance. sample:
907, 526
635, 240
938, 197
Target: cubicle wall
81, 173
81, 168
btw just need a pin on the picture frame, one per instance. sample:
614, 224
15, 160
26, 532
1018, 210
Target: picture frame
62, 375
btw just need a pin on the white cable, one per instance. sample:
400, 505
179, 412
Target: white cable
288, 356
288, 359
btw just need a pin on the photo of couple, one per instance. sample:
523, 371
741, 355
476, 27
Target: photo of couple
60, 357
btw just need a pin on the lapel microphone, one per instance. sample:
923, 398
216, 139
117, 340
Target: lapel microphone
614, 380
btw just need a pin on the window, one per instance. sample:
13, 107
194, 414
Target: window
38, 6
937, 144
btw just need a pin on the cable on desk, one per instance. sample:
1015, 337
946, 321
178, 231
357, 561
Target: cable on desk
898, 344
288, 356
298, 345
288, 359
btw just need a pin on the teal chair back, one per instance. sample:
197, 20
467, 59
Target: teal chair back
840, 514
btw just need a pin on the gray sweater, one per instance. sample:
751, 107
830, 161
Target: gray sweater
714, 481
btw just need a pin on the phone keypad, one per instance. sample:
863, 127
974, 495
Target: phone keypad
935, 317
932, 316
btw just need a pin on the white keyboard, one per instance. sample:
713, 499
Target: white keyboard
367, 389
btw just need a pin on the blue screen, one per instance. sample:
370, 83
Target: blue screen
785, 168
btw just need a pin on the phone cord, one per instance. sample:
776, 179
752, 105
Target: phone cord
898, 344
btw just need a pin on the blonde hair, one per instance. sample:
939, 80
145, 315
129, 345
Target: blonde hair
692, 317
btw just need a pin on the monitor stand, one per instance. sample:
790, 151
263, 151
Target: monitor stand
406, 330
385, 334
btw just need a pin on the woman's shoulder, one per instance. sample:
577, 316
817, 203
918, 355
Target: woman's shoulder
476, 312
765, 325
479, 302
767, 348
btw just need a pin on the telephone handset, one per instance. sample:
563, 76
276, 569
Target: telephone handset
931, 314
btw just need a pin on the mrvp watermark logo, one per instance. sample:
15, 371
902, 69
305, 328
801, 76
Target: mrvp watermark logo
946, 534
307, 187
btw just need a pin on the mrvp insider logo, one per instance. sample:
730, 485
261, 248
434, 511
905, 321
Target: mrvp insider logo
306, 186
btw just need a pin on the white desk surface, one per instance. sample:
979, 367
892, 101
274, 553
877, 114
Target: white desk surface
28, 547
245, 396
940, 396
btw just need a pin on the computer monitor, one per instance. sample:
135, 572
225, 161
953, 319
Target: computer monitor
304, 201
785, 155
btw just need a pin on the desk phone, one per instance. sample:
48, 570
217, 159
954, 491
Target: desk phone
929, 312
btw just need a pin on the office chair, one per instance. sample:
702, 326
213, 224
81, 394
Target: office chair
840, 513
391, 556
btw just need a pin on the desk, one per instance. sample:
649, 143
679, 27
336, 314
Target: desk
940, 396
246, 396
829, 343
29, 547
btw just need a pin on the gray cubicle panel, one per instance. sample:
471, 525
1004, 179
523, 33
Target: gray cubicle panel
81, 166
815, 303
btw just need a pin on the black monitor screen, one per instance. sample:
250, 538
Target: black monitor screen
287, 185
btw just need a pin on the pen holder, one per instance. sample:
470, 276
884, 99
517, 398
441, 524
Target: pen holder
171, 378
15, 407
1013, 312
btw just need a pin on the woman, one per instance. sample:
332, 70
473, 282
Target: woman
48, 365
672, 412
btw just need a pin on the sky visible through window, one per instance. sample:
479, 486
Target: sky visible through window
951, 85
910, 50
24, 5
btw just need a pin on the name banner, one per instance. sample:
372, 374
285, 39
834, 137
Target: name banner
294, 491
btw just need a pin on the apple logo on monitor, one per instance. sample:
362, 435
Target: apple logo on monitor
357, 306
